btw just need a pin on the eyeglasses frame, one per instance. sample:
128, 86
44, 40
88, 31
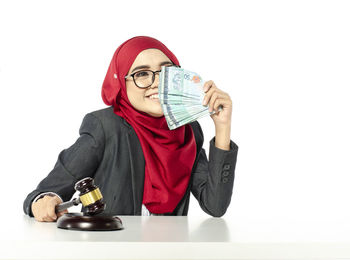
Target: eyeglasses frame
153, 76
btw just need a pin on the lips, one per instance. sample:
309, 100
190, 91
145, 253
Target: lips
153, 96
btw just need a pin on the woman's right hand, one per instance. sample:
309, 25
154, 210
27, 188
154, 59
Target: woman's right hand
44, 209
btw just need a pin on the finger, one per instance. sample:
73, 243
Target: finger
209, 94
37, 218
53, 203
61, 213
45, 198
213, 98
221, 102
58, 200
207, 85
51, 210
36, 211
48, 219
40, 219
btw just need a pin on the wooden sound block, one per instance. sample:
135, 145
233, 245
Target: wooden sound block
83, 222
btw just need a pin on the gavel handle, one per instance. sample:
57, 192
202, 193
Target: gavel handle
66, 205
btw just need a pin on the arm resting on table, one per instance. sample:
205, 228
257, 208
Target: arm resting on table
74, 163
213, 180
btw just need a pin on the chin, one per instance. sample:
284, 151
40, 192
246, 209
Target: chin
156, 113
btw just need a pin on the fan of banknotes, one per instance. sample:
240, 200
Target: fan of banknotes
181, 95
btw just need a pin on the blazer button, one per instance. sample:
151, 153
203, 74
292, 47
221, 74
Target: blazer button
225, 173
224, 180
226, 167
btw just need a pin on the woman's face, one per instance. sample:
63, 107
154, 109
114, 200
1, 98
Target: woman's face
150, 59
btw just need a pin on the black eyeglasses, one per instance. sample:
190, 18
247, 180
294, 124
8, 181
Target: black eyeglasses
145, 78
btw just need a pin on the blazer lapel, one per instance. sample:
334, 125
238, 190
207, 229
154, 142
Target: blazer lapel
137, 166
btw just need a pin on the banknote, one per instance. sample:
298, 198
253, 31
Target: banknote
181, 95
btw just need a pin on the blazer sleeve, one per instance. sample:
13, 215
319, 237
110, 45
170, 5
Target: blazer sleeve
78, 161
213, 180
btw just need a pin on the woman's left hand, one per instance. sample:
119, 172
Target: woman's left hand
215, 97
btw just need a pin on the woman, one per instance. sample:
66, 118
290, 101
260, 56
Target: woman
140, 166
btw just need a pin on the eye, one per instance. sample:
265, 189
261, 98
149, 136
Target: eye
141, 74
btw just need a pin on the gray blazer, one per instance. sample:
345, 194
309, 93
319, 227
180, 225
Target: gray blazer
109, 151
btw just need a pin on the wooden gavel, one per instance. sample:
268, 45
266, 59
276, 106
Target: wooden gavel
90, 196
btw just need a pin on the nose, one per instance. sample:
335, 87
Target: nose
156, 80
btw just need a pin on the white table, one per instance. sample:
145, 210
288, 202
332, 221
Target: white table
164, 237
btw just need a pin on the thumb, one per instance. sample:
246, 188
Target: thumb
58, 200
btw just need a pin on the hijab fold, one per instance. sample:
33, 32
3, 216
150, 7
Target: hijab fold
169, 154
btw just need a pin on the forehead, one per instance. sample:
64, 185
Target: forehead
149, 57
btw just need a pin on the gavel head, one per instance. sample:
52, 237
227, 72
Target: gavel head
90, 196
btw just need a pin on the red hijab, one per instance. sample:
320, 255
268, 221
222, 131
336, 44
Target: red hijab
169, 154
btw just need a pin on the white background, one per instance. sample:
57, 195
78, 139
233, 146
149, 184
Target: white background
285, 65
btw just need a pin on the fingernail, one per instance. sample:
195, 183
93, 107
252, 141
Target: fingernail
204, 102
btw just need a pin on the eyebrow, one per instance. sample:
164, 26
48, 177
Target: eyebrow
147, 66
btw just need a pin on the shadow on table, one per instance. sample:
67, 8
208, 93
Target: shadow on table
178, 229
